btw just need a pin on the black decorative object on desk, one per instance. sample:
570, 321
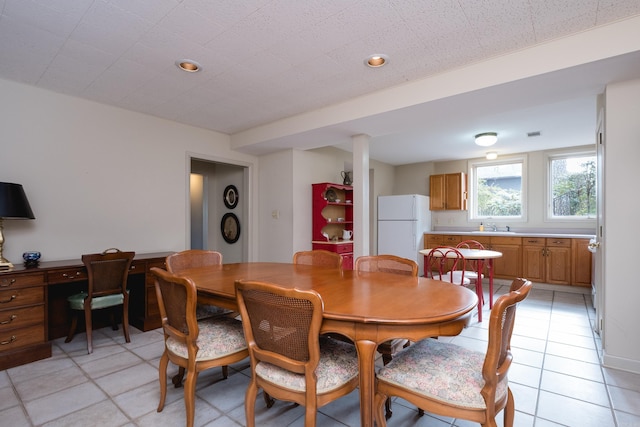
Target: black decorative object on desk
31, 258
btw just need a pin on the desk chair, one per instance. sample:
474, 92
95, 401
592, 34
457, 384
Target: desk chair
452, 381
191, 344
318, 257
107, 288
289, 359
395, 265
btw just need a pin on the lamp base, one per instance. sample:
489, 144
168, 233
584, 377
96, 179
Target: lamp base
4, 264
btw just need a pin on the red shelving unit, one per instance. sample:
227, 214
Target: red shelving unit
332, 207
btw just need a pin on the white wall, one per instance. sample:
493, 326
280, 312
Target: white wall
620, 242
97, 176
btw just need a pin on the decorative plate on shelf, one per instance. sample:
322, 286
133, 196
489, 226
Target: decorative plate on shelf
330, 195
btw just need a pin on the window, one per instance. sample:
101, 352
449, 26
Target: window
498, 189
572, 179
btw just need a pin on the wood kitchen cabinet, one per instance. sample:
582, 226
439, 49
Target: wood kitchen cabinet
547, 260
332, 214
581, 262
508, 266
448, 192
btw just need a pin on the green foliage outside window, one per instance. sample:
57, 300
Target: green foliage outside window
574, 186
495, 201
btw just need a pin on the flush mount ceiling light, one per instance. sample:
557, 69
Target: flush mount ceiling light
492, 155
486, 139
376, 61
188, 65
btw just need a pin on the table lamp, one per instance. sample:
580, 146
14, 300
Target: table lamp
13, 205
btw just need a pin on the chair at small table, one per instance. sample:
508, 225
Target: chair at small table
289, 359
107, 274
476, 274
192, 344
452, 381
447, 264
396, 265
319, 257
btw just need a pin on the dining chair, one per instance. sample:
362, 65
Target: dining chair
107, 274
395, 265
319, 257
452, 381
178, 263
476, 273
289, 359
447, 264
192, 344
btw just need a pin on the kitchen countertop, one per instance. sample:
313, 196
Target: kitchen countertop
513, 234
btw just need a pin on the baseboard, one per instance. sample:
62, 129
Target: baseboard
620, 363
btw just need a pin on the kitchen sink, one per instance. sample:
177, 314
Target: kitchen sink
493, 232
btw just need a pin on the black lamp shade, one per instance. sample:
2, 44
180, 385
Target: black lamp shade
13, 202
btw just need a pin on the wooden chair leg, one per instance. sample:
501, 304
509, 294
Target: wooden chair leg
177, 378
162, 373
88, 326
125, 323
72, 328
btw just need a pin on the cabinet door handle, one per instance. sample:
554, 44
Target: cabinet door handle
6, 283
9, 300
11, 319
12, 339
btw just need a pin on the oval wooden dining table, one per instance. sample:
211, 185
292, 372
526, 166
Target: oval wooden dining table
369, 308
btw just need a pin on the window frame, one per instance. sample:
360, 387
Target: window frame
548, 213
473, 188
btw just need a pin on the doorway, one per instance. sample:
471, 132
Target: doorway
218, 209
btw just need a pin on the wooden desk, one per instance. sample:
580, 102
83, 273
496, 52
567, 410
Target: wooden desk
34, 307
369, 308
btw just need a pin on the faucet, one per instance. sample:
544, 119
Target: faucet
492, 226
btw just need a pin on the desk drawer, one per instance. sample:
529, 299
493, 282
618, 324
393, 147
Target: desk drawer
21, 280
67, 275
21, 296
12, 339
21, 317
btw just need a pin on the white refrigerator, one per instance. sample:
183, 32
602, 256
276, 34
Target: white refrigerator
402, 222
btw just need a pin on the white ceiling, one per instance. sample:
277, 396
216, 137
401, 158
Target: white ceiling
266, 60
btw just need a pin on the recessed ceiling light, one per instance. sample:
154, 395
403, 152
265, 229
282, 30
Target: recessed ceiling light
188, 65
376, 61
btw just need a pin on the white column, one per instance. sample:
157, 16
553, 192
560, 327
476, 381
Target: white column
360, 195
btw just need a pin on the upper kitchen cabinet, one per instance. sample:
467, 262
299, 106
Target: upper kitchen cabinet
448, 192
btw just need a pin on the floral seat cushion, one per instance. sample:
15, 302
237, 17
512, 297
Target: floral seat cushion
441, 371
338, 365
218, 337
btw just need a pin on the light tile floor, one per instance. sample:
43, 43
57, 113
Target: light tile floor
556, 380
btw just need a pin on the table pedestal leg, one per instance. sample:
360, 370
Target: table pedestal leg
366, 360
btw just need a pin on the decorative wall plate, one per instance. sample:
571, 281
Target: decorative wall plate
231, 196
230, 228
